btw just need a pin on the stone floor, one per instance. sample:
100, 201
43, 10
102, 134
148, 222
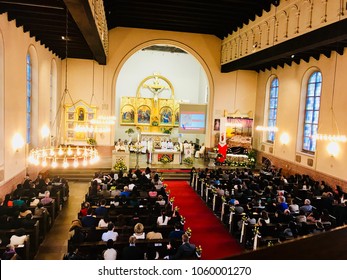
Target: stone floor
54, 245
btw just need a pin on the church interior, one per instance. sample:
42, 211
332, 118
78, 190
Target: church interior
236, 104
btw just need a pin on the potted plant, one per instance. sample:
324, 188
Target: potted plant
252, 158
120, 165
130, 132
167, 130
91, 141
188, 161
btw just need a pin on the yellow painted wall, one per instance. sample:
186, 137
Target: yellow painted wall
205, 48
15, 47
289, 98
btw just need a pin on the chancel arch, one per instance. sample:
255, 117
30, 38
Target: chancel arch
183, 75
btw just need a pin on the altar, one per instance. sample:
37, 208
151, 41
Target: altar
162, 156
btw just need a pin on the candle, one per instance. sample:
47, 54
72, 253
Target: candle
138, 137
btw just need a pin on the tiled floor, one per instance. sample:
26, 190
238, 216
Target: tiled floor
55, 244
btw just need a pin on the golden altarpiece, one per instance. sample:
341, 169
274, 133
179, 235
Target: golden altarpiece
153, 116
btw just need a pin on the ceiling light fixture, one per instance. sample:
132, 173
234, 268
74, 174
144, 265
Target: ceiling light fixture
62, 155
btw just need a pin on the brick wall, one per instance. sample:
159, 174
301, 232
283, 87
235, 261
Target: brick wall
290, 168
10, 185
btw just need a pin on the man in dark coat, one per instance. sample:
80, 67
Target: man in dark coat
186, 251
132, 252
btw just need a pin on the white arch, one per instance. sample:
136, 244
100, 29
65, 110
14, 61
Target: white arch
186, 48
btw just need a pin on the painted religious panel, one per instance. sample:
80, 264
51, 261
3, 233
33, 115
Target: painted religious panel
81, 114
78, 115
239, 131
166, 116
127, 115
143, 115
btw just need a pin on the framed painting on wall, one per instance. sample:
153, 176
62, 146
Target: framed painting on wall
143, 115
165, 116
71, 116
128, 115
216, 125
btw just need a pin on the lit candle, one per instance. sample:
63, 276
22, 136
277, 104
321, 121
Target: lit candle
138, 137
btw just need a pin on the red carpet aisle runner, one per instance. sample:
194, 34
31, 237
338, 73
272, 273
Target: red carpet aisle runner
207, 230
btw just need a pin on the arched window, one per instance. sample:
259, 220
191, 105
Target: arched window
53, 99
2, 109
312, 106
29, 100
272, 109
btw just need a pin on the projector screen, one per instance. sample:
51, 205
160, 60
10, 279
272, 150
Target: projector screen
192, 119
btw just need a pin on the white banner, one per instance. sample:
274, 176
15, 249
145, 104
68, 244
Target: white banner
170, 269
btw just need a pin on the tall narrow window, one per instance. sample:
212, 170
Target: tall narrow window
2, 110
29, 95
312, 106
51, 118
53, 99
272, 111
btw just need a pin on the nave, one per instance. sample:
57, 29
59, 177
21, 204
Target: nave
55, 244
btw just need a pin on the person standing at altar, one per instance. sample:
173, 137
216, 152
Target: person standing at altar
149, 150
163, 145
169, 145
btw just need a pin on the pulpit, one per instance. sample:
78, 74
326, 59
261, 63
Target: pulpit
120, 155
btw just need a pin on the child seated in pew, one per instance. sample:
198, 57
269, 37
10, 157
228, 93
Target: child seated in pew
139, 231
19, 237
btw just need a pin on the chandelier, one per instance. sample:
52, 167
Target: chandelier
62, 155
104, 120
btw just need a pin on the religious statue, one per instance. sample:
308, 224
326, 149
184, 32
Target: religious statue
156, 88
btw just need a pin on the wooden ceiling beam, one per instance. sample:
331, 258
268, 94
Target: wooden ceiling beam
82, 15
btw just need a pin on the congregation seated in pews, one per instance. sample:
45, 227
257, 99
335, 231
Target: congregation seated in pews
31, 208
113, 223
269, 205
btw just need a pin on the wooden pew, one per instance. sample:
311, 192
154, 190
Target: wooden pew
125, 231
43, 224
22, 250
50, 208
88, 248
34, 234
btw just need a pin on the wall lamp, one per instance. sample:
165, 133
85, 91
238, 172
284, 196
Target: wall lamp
17, 142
